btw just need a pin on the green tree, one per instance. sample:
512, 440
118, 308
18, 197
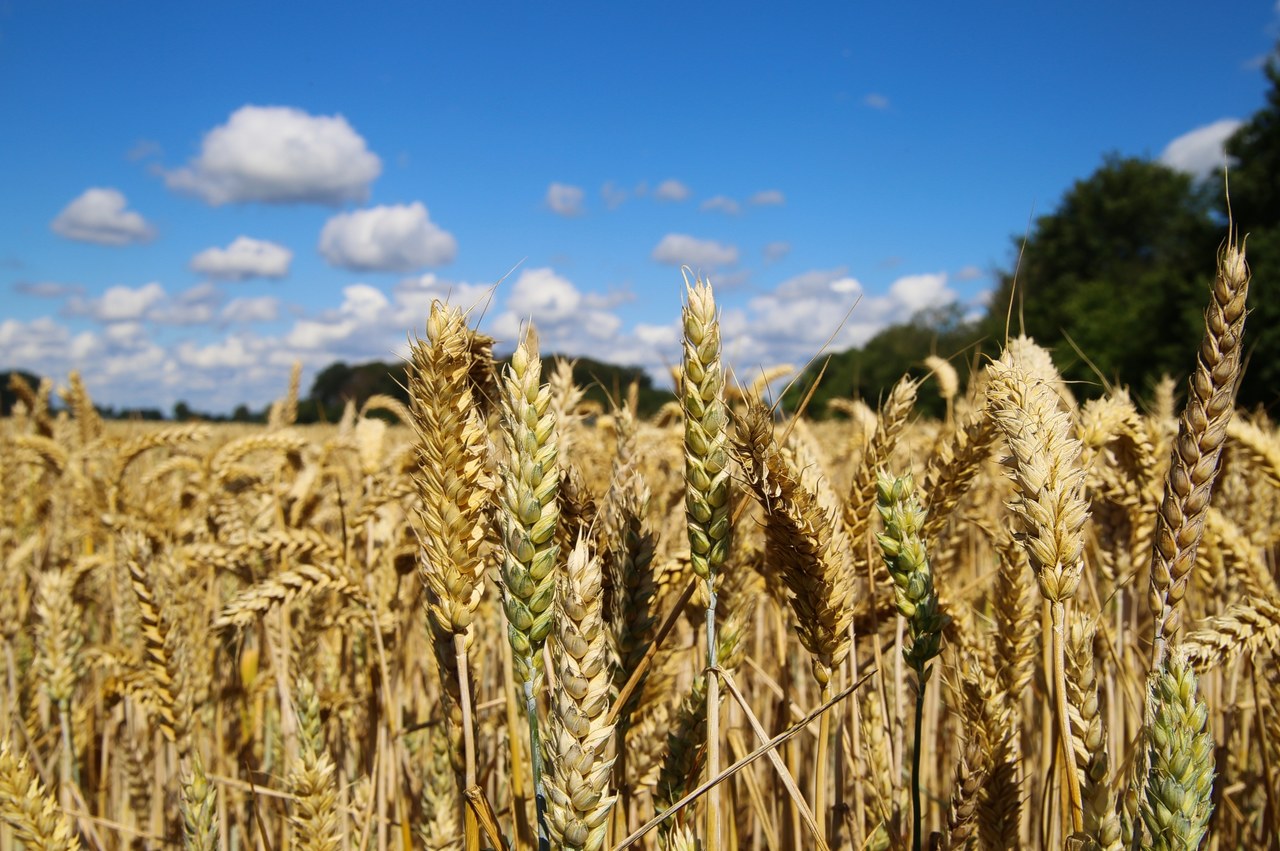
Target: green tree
1255, 207
1121, 269
869, 372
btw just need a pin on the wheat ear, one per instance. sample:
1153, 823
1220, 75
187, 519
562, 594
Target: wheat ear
1050, 503
311, 778
529, 515
25, 806
455, 488
902, 545
577, 780
1193, 462
706, 470
1178, 798
199, 809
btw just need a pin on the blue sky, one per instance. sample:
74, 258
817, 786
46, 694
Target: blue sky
193, 197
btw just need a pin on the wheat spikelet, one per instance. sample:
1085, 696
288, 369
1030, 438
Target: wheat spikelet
1201, 433
1177, 800
199, 809
803, 542
706, 438
862, 495
87, 419
1242, 630
1101, 823
285, 587
439, 829
1045, 470
578, 740
974, 765
454, 486
156, 660
908, 564
24, 805
953, 468
37, 404
311, 778
529, 508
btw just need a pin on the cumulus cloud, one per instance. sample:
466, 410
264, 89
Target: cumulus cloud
721, 203
671, 190
119, 303
396, 238
195, 306
244, 258
768, 198
101, 215
775, 251
280, 155
876, 101
565, 200
678, 249
251, 309
1200, 151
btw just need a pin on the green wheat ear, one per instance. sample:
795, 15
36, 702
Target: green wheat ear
1178, 798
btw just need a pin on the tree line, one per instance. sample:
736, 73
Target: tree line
1114, 281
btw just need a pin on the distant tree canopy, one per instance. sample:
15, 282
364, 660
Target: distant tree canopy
1120, 271
1255, 207
1114, 281
870, 371
337, 383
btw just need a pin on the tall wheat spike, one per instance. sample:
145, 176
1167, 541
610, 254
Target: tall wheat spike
578, 794
1202, 430
452, 520
529, 514
706, 471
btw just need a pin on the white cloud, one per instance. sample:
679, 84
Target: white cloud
396, 238
100, 215
1199, 151
256, 309
280, 155
722, 203
970, 273
119, 303
244, 258
681, 249
543, 294
41, 345
195, 306
876, 101
920, 292
233, 352
565, 200
614, 195
671, 190
768, 198
775, 251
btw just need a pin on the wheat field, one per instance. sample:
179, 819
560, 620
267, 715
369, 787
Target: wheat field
500, 618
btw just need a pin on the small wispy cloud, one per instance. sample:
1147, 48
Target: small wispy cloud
565, 200
614, 195
671, 190
768, 198
722, 204
876, 101
677, 249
